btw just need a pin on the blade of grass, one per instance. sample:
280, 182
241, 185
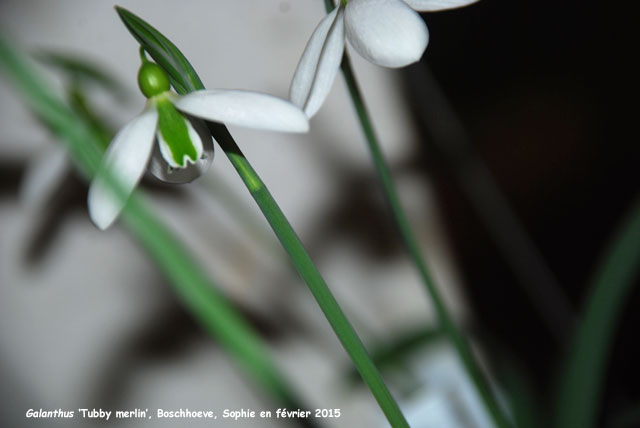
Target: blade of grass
581, 382
445, 319
167, 55
196, 290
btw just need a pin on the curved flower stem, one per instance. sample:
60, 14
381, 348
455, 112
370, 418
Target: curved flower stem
408, 237
446, 321
185, 79
303, 263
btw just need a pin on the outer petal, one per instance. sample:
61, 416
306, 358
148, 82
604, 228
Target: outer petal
244, 108
319, 64
162, 170
433, 5
386, 32
126, 159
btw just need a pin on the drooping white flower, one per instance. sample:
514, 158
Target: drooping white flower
389, 33
171, 141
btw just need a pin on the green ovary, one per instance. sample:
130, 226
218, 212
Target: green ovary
173, 128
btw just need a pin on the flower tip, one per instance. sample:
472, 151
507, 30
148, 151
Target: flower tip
302, 124
124, 14
408, 56
101, 212
386, 32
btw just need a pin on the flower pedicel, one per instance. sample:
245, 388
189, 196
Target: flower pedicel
184, 148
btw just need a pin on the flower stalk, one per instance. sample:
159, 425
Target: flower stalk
308, 271
408, 237
180, 71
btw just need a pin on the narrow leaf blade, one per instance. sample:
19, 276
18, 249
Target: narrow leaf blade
183, 76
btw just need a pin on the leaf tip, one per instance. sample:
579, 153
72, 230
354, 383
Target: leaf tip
122, 12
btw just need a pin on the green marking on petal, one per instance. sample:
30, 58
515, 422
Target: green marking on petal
172, 127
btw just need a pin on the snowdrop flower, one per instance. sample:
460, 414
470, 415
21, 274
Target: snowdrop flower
389, 33
169, 139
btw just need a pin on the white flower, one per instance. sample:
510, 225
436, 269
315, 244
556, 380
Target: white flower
386, 32
175, 145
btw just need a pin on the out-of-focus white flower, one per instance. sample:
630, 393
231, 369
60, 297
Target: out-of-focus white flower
447, 397
389, 33
184, 148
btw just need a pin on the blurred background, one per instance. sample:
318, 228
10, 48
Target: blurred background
511, 143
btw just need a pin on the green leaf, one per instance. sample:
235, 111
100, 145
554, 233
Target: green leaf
520, 393
80, 69
192, 285
581, 382
182, 75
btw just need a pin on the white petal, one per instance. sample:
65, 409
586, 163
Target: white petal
386, 32
44, 177
319, 64
125, 160
433, 5
164, 171
244, 108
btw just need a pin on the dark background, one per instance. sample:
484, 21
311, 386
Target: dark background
544, 91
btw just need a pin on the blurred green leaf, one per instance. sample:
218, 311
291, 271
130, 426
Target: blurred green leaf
581, 382
80, 70
77, 100
80, 73
190, 282
520, 394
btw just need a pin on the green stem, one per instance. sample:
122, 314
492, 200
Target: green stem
446, 321
185, 79
308, 271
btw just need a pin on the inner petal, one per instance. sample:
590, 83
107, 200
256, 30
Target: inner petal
179, 142
161, 169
